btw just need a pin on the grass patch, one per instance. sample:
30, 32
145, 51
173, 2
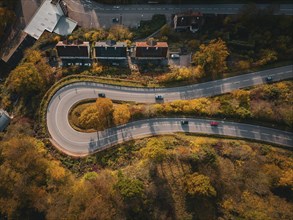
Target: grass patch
146, 28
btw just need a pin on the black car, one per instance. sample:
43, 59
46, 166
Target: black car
102, 95
184, 122
269, 79
115, 20
159, 97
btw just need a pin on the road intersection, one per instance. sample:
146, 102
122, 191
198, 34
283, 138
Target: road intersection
75, 143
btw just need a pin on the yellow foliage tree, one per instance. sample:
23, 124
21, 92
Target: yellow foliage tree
105, 112
199, 185
25, 80
212, 57
89, 117
121, 114
287, 179
155, 150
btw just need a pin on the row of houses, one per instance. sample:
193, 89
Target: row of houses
81, 53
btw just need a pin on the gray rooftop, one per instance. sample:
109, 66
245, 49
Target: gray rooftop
4, 120
65, 26
46, 18
110, 43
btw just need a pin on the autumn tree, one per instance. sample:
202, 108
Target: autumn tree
129, 187
286, 179
119, 33
25, 80
89, 117
266, 56
121, 114
27, 177
97, 116
44, 70
199, 185
96, 35
156, 150
212, 57
105, 112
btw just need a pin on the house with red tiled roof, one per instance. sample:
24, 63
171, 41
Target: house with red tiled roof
151, 50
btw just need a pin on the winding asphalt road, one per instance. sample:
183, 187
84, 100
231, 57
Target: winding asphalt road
75, 143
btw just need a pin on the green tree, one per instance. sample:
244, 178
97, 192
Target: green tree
121, 114
212, 57
199, 185
129, 188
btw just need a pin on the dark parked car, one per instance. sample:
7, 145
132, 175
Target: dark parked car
214, 123
269, 79
159, 97
102, 95
184, 122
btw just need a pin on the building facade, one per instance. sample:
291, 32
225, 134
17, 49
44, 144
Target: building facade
151, 50
74, 53
110, 50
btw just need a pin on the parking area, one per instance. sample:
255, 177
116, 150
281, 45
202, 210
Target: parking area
175, 59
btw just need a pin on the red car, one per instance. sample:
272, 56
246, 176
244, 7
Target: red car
214, 123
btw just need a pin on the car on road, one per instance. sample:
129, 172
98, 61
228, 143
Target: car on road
116, 6
102, 95
115, 20
184, 122
269, 79
214, 123
159, 97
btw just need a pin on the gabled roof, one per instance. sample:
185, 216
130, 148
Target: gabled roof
110, 43
76, 49
145, 44
47, 18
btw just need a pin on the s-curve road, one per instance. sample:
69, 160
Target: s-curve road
75, 143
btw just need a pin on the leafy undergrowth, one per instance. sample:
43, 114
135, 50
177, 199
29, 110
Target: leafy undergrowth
167, 177
190, 177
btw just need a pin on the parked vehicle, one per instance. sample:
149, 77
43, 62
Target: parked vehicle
175, 56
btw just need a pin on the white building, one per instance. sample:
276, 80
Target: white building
51, 16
